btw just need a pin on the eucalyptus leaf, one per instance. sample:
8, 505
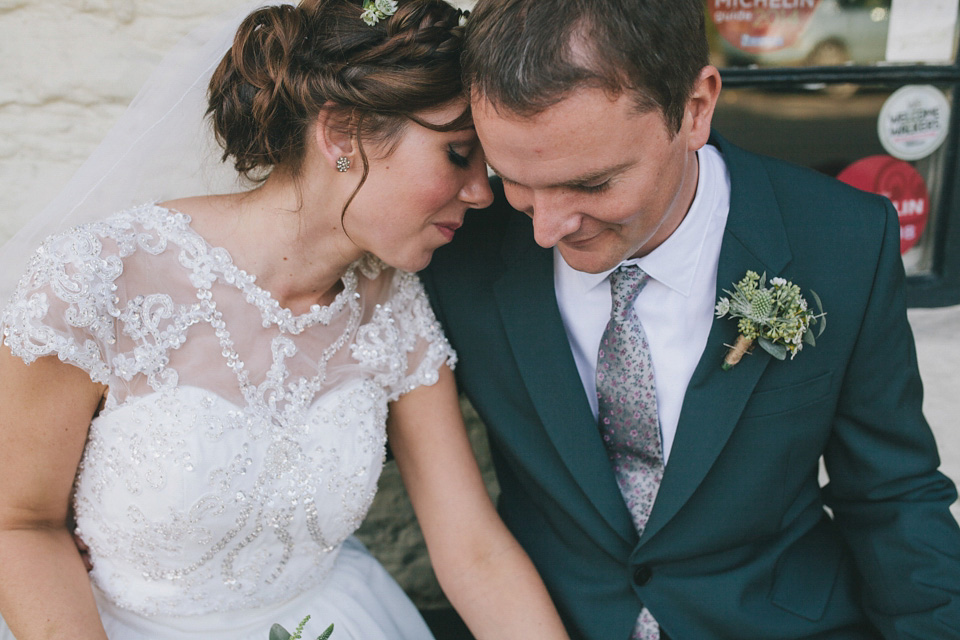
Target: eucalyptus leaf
279, 633
822, 320
778, 351
809, 339
326, 634
816, 299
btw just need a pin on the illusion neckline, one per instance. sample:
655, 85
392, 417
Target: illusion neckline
271, 311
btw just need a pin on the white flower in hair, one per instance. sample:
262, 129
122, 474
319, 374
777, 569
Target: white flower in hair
376, 10
386, 7
370, 17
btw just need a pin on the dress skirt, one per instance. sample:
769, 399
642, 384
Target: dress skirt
359, 597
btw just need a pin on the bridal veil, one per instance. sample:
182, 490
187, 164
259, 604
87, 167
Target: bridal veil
161, 147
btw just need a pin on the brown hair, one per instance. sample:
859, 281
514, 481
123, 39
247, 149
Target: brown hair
288, 63
527, 55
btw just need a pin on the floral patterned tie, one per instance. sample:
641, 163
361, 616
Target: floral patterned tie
627, 415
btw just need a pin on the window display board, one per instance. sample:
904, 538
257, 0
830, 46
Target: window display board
862, 90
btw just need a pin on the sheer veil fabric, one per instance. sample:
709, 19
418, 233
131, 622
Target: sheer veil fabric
161, 147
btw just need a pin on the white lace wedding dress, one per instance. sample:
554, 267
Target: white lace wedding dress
239, 445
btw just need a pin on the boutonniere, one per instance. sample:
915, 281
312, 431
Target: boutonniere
279, 633
777, 317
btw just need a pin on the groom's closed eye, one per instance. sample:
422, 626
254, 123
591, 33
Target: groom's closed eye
503, 179
591, 183
594, 188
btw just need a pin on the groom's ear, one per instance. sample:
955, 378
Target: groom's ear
700, 107
335, 136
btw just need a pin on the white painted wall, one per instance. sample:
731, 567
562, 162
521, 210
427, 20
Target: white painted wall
69, 68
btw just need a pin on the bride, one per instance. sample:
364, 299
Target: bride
207, 384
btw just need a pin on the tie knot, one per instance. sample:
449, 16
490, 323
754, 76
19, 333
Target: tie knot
626, 282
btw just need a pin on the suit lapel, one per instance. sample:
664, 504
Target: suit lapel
539, 342
754, 239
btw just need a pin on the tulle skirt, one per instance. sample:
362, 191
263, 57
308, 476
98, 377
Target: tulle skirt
359, 597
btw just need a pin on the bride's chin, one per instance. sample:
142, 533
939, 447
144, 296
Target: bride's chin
412, 264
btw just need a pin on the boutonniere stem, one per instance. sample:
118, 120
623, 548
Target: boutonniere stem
736, 351
777, 318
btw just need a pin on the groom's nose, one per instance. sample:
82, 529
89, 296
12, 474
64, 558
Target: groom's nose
554, 216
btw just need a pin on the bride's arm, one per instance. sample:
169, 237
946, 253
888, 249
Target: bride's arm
483, 570
45, 411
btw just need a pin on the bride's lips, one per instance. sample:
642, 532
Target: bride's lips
447, 229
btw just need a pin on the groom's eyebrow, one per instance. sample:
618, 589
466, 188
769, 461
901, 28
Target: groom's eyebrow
573, 183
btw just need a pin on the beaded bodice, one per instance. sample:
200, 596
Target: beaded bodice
239, 444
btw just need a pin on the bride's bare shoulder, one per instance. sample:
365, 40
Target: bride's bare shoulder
210, 215
202, 206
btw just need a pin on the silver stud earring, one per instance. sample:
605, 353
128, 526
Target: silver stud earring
343, 164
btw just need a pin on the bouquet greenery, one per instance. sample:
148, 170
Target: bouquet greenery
279, 633
777, 317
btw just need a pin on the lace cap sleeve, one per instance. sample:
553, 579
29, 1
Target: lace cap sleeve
60, 306
404, 342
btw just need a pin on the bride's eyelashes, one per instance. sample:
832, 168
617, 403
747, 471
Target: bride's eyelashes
456, 158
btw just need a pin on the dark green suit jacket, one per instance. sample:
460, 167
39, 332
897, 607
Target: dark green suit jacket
739, 544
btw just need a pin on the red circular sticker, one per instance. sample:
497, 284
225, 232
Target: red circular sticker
757, 26
899, 182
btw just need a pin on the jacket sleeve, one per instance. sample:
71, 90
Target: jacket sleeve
888, 499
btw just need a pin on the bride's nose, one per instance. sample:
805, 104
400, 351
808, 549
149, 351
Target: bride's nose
475, 191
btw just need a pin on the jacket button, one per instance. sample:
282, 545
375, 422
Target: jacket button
642, 575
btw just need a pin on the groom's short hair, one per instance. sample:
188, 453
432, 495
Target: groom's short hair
527, 55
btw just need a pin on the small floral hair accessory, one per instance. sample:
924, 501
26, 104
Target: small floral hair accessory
376, 10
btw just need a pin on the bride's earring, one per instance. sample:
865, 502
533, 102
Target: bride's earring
343, 164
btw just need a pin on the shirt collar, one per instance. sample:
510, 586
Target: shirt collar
674, 262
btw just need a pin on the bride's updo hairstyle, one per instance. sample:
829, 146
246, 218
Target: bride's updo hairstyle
288, 63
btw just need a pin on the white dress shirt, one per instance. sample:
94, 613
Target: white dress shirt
675, 307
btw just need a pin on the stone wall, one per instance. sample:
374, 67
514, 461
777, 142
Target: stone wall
70, 68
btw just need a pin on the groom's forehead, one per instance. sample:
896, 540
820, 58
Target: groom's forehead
577, 116
588, 136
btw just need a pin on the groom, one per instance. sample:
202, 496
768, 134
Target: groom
695, 511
